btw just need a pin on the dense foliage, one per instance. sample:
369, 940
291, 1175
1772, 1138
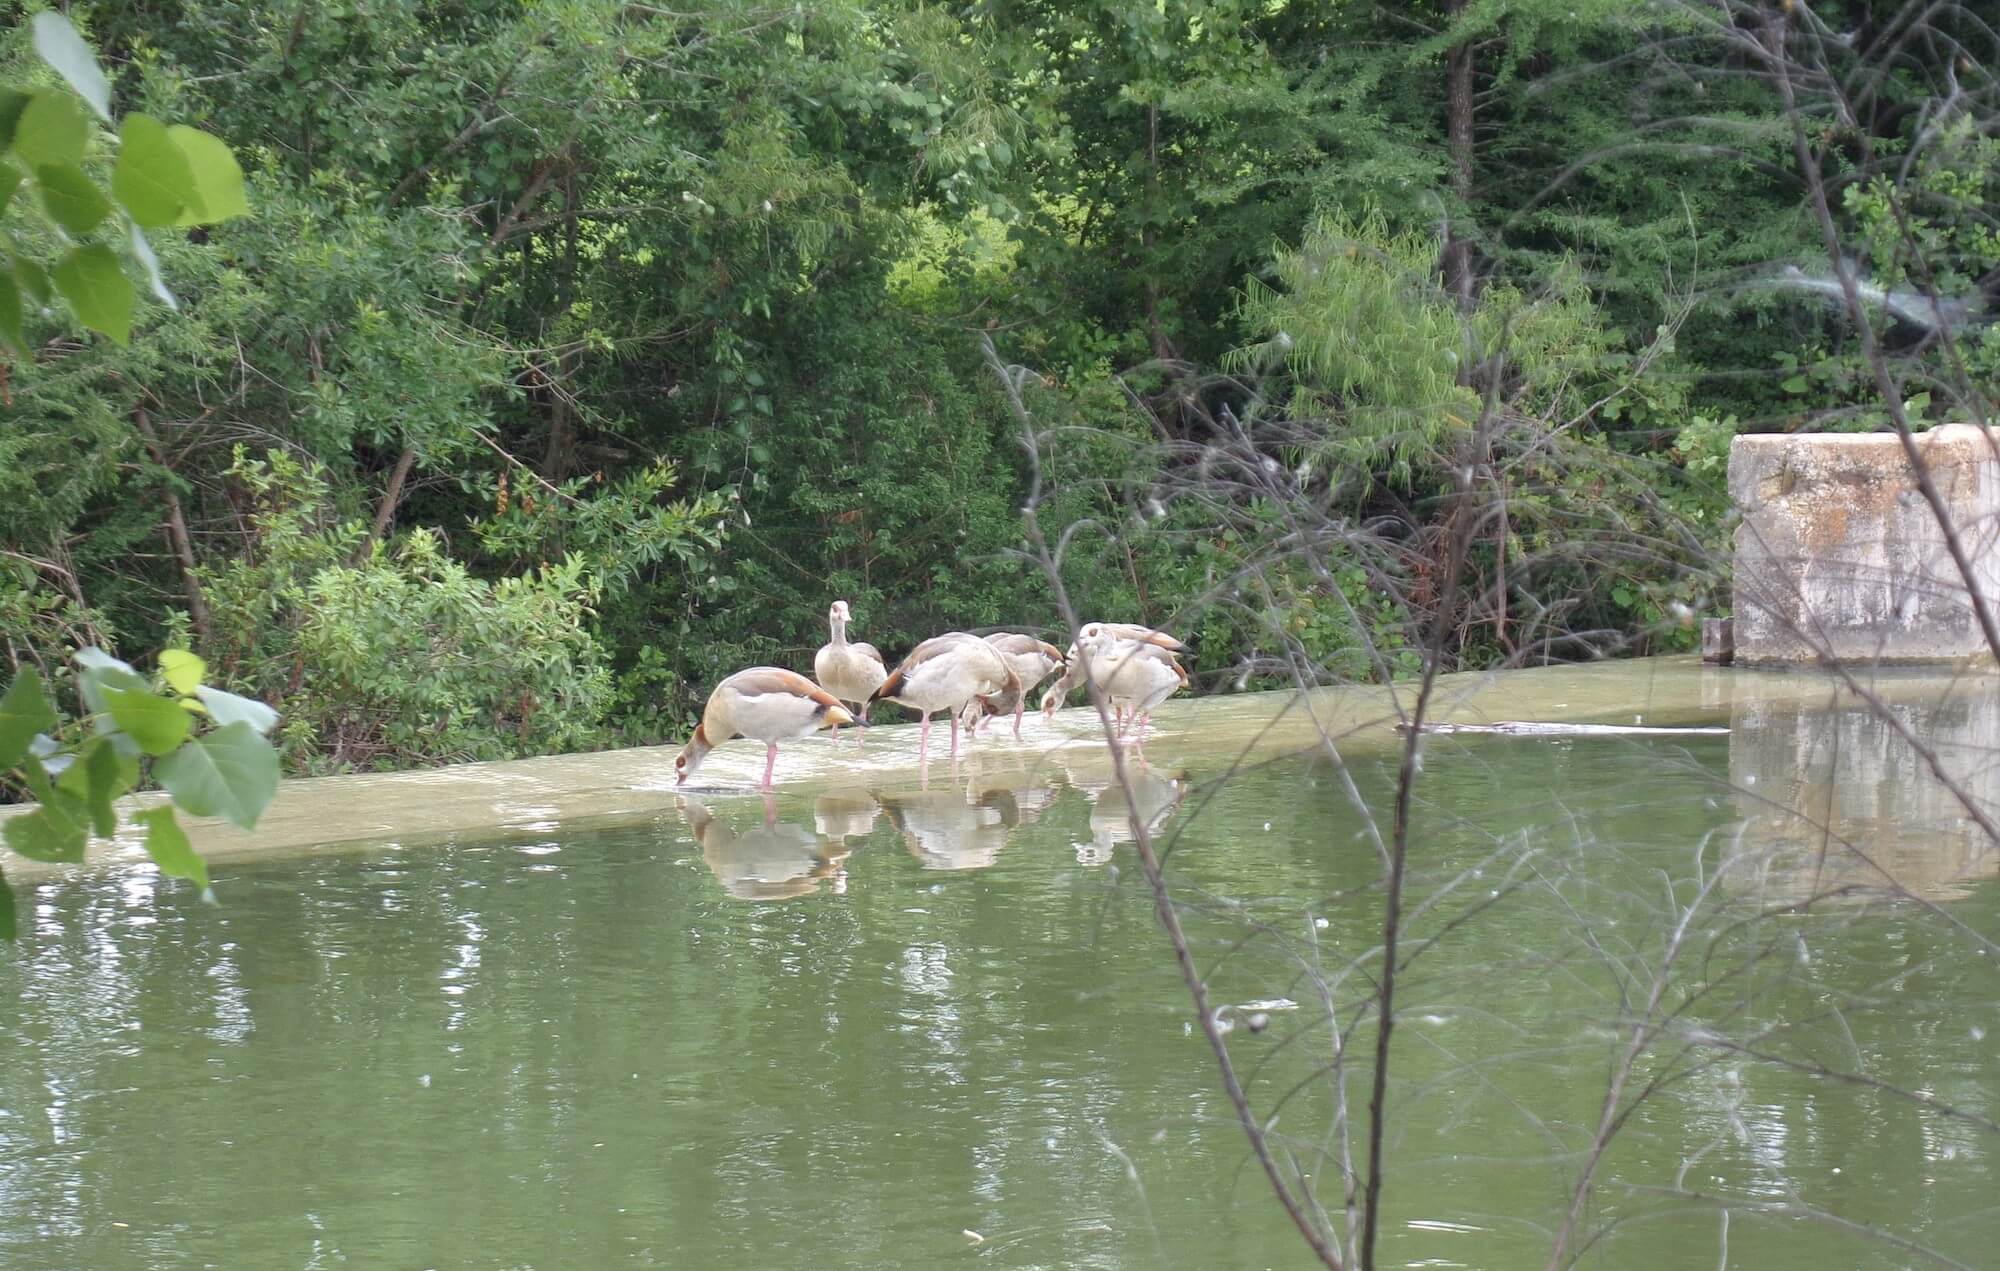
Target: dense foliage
573, 355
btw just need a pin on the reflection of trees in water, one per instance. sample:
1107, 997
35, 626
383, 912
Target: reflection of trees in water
1834, 799
776, 860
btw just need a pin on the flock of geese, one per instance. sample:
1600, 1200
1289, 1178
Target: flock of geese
970, 678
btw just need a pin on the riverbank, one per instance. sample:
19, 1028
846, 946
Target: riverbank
1203, 736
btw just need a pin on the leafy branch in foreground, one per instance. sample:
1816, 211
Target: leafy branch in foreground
165, 176
76, 770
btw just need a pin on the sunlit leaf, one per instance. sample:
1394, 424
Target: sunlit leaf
24, 712
50, 130
61, 47
228, 708
143, 250
167, 843
152, 178
92, 658
232, 773
155, 722
183, 670
218, 181
72, 199
97, 290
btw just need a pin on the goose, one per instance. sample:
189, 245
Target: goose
766, 704
1033, 661
1096, 632
943, 674
848, 671
1134, 675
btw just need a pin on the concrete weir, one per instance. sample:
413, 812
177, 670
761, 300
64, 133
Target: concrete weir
1839, 554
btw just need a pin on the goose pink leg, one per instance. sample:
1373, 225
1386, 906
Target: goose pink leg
924, 739
770, 763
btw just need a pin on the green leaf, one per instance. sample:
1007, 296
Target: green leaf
97, 290
157, 723
218, 181
24, 711
1795, 384
12, 103
61, 47
72, 199
97, 779
152, 178
34, 280
167, 843
143, 250
52, 832
232, 772
183, 670
10, 316
50, 130
10, 181
228, 708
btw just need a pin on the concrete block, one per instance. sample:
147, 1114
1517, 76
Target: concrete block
1838, 554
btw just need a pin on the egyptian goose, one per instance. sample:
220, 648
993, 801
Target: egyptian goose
1135, 673
763, 703
1033, 660
943, 674
848, 671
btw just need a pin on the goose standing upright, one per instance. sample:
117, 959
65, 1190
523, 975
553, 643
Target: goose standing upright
1033, 661
943, 674
848, 671
765, 703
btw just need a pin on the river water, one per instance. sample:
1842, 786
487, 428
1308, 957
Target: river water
904, 1025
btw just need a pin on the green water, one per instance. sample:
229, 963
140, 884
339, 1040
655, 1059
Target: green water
712, 1042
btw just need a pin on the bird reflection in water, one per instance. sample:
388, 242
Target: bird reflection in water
776, 860
944, 830
1155, 796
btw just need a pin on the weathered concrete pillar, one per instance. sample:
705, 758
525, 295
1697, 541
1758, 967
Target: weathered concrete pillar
1839, 554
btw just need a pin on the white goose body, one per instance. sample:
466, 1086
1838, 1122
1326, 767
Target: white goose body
765, 703
1133, 666
848, 670
1032, 661
943, 674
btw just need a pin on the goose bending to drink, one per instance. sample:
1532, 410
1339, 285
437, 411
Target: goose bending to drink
766, 704
848, 671
1033, 661
1134, 674
944, 673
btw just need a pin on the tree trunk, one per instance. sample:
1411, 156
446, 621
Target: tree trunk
392, 497
1458, 274
177, 530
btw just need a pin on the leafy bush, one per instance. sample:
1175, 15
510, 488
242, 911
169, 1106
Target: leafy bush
392, 654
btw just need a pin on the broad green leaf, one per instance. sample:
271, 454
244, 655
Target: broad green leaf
156, 723
143, 250
10, 317
97, 778
50, 130
183, 670
102, 671
12, 103
152, 178
167, 843
218, 181
24, 711
10, 924
61, 47
34, 280
228, 708
10, 180
97, 290
1794, 384
52, 832
232, 772
72, 199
